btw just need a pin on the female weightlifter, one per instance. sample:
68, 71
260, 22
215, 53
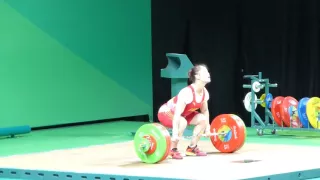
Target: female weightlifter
182, 110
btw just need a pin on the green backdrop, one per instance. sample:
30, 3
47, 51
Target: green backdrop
64, 61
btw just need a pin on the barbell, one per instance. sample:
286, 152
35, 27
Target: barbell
152, 141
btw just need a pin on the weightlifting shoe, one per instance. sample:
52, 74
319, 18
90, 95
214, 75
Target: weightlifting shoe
195, 151
175, 154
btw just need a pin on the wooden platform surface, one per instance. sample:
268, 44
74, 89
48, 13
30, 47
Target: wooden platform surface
120, 158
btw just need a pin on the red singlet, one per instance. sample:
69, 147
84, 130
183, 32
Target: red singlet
166, 111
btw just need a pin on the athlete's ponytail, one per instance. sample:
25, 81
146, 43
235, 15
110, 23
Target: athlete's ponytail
189, 73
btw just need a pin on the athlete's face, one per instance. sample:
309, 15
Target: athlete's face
204, 75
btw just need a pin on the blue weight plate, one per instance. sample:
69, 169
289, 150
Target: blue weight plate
268, 100
302, 113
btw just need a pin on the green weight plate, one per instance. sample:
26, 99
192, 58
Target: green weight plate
161, 143
166, 133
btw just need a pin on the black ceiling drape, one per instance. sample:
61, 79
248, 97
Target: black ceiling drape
279, 38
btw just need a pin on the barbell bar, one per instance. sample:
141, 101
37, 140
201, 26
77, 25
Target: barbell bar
202, 135
148, 143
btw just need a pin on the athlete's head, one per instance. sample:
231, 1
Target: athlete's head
199, 73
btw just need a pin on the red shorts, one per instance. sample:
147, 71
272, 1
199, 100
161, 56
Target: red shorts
165, 116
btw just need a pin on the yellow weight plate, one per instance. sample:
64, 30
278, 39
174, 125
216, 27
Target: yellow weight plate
262, 98
313, 112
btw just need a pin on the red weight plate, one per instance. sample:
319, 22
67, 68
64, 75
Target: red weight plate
241, 123
153, 144
288, 117
225, 123
168, 138
240, 145
276, 110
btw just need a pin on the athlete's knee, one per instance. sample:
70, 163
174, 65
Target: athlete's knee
182, 122
182, 125
201, 119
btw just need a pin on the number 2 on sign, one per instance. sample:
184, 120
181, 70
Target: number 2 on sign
226, 146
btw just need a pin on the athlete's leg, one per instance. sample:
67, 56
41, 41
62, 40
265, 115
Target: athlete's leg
165, 116
182, 126
199, 120
175, 154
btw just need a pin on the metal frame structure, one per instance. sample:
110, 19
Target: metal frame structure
255, 118
256, 121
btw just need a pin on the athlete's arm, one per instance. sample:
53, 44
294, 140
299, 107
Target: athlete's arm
205, 110
180, 105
